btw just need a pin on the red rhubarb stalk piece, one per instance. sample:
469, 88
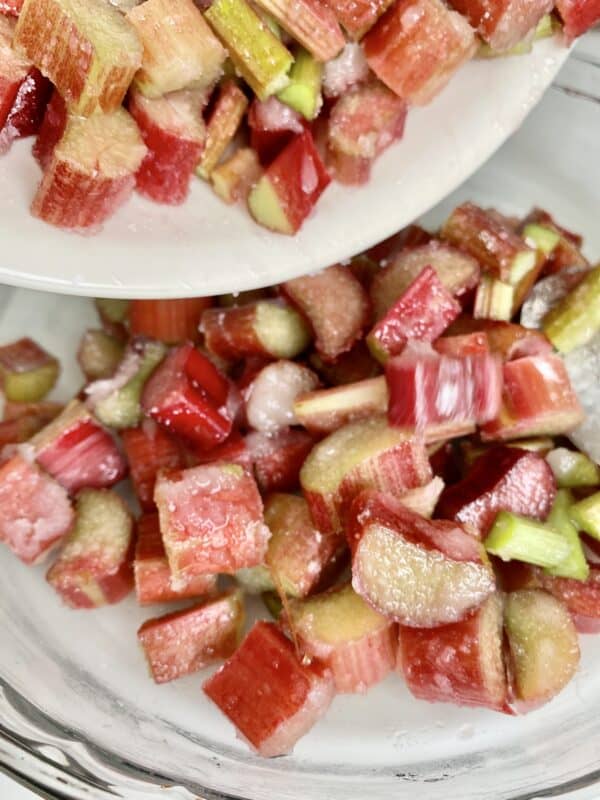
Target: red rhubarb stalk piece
503, 23
27, 111
272, 126
347, 69
508, 339
270, 398
148, 450
13, 69
11, 8
360, 15
51, 130
578, 16
278, 459
465, 344
582, 598
170, 321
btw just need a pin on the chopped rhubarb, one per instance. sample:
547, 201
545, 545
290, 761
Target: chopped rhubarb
148, 450
325, 410
270, 400
424, 499
27, 371
572, 469
503, 23
186, 641
421, 573
507, 339
303, 92
169, 321
581, 597
463, 344
560, 247
346, 70
586, 515
35, 512
51, 130
578, 15
270, 696
20, 429
11, 8
494, 299
277, 459
272, 126
353, 366
99, 354
575, 564
112, 310
46, 410
512, 537
256, 580
311, 23
235, 177
225, 119
93, 567
360, 15
576, 319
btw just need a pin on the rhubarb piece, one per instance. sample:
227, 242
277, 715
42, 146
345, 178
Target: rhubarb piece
546, 27
423, 311
303, 93
27, 371
290, 187
265, 328
353, 366
582, 366
255, 580
502, 479
46, 410
277, 459
336, 306
537, 400
169, 321
507, 339
543, 646
460, 663
560, 248
270, 696
88, 177
359, 16
272, 126
11, 8
180, 50
35, 512
578, 16
503, 23
85, 47
463, 345
325, 410
271, 397
257, 54
576, 319
458, 272
93, 567
574, 565
494, 299
513, 537
421, 573
572, 469
586, 515
173, 130
225, 119
405, 239
20, 429
399, 48
346, 70
13, 71
149, 450
234, 178
186, 641
112, 309
542, 237
78, 452
363, 455
99, 354
27, 111
547, 293
51, 130
581, 597
210, 520
190, 397
341, 630
311, 23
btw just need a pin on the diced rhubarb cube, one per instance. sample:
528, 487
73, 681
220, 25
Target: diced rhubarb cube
77, 451
290, 187
27, 371
272, 126
336, 306
503, 23
225, 119
363, 455
270, 696
211, 520
325, 410
353, 366
537, 400
311, 23
417, 46
277, 459
35, 512
51, 130
186, 641
170, 321
99, 354
271, 397
148, 450
340, 629
360, 15
502, 479
235, 177
423, 312
578, 15
420, 572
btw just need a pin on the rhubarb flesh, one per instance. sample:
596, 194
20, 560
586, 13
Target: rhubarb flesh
270, 400
99, 354
576, 319
27, 372
311, 23
148, 450
303, 93
225, 119
234, 178
171, 321
503, 23
325, 410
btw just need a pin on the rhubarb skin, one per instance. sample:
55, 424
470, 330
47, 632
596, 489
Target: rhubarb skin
578, 16
225, 119
35, 512
311, 23
508, 339
272, 126
211, 520
152, 574
187, 641
503, 23
417, 46
25, 116
171, 321
277, 459
582, 598
502, 479
461, 663
234, 178
11, 8
148, 450
359, 16
51, 130
567, 252
325, 410
270, 696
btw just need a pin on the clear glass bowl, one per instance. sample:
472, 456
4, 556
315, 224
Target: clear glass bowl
79, 717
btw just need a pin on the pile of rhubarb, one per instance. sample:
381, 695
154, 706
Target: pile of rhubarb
266, 101
381, 451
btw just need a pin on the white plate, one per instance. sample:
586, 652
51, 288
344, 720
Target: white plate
206, 248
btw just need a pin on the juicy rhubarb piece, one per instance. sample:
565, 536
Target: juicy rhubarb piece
300, 558
186, 641
576, 318
362, 124
463, 344
503, 23
180, 50
256, 52
502, 479
345, 71
441, 396
578, 16
336, 306
423, 311
35, 512
460, 663
311, 23
586, 515
265, 328
572, 469
270, 696
169, 321
512, 537
190, 397
575, 564
537, 400
581, 597
325, 410
256, 580
87, 179
173, 130
51, 130
210, 520
225, 119
13, 70
149, 450
78, 452
560, 247
494, 299
359, 16
303, 93
424, 499
277, 459
99, 354
420, 572
270, 399
353, 640
20, 429
400, 48
236, 176
363, 455
458, 272
290, 187
272, 126
507, 339
93, 567
85, 47
542, 645
27, 111
27, 371
112, 310
356, 364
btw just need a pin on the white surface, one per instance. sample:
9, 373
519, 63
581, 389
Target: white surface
9, 790
205, 247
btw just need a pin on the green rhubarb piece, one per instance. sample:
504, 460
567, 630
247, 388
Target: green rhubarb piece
303, 93
257, 54
574, 565
546, 27
516, 538
112, 309
265, 206
586, 515
576, 319
541, 237
522, 265
573, 469
255, 580
494, 299
99, 354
